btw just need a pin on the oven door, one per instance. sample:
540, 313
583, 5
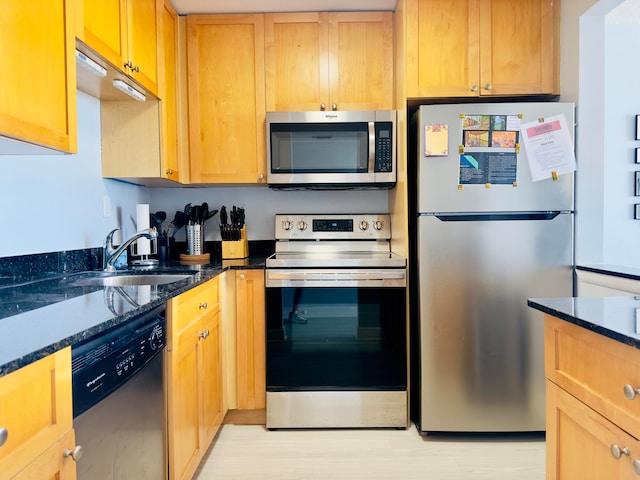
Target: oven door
336, 348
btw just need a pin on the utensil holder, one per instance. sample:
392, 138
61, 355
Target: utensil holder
195, 239
236, 248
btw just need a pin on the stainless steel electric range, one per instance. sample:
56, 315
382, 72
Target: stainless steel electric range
336, 324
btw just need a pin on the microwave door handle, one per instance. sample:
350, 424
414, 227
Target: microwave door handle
372, 146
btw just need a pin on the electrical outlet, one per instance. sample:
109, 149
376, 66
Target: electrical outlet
106, 206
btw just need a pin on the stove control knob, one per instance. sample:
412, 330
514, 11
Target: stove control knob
378, 224
286, 225
364, 225
302, 225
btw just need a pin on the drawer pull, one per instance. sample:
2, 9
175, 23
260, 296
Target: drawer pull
4, 434
631, 392
636, 466
203, 305
617, 452
76, 453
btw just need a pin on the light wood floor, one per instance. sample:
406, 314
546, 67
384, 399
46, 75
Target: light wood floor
250, 452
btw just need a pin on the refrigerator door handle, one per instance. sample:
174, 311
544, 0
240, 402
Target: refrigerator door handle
496, 216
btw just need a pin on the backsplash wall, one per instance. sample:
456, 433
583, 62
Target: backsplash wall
54, 203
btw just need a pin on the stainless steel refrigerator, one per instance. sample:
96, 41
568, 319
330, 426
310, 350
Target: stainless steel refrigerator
485, 237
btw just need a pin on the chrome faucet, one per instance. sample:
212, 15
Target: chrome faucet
111, 254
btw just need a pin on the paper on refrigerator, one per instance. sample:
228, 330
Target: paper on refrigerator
549, 148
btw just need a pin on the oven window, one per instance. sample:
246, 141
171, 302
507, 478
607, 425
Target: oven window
319, 148
336, 338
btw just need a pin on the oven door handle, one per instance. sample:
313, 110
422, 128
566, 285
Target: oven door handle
277, 278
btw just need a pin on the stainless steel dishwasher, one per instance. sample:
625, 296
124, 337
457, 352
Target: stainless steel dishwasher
118, 401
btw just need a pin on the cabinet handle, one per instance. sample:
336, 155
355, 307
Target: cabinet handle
136, 69
334, 107
242, 276
617, 452
474, 88
487, 86
4, 434
203, 305
636, 466
323, 107
203, 334
128, 64
630, 392
169, 172
261, 177
76, 453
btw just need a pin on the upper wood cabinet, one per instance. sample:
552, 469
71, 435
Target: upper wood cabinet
470, 48
38, 76
332, 61
36, 411
169, 93
225, 55
125, 32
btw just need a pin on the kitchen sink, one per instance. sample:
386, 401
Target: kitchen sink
120, 280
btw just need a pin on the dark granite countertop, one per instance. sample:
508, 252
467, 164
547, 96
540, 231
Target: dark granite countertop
615, 317
39, 316
614, 270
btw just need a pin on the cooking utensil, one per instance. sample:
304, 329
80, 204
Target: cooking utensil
156, 219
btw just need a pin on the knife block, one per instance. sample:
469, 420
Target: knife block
237, 248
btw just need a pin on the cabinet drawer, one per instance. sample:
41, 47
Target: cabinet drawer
35, 408
595, 369
580, 442
187, 308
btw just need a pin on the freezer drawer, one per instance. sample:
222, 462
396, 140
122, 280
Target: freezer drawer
481, 347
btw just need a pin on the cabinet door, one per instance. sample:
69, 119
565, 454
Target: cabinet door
442, 48
213, 404
518, 45
226, 98
360, 60
250, 339
169, 94
579, 441
183, 404
52, 463
105, 29
36, 410
296, 61
143, 20
38, 74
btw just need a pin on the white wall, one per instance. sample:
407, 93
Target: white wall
261, 204
54, 202
606, 232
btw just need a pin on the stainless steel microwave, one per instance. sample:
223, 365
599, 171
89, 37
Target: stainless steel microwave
331, 150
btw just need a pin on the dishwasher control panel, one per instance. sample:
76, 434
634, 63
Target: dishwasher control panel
105, 362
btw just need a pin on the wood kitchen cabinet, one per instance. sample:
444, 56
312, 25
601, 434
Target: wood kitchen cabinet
38, 78
471, 48
36, 411
250, 339
140, 140
332, 61
125, 33
589, 418
225, 55
195, 376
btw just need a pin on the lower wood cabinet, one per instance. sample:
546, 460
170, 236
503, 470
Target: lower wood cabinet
250, 339
592, 426
195, 376
36, 412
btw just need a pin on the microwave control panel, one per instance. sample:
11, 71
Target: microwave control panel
384, 147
